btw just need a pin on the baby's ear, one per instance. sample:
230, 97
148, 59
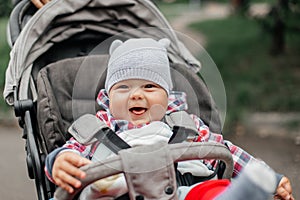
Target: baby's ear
165, 42
115, 44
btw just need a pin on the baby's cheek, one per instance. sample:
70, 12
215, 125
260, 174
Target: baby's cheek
157, 112
117, 104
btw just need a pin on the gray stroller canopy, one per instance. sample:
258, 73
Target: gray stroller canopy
61, 19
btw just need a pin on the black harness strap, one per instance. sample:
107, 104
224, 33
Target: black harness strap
179, 135
88, 129
111, 140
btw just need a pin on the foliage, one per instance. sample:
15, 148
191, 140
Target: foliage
5, 8
240, 6
282, 19
4, 52
254, 80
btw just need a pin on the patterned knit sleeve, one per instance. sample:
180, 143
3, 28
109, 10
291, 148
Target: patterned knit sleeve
240, 157
83, 150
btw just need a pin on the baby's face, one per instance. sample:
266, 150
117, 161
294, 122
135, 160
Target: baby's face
138, 101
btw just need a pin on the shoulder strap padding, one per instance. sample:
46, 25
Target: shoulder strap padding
88, 129
181, 119
85, 128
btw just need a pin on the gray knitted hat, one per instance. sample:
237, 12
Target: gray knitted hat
142, 58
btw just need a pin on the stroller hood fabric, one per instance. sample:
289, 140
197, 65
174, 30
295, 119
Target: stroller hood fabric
62, 19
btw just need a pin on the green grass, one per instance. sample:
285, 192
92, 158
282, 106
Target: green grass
4, 52
254, 80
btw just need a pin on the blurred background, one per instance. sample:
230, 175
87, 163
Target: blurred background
255, 45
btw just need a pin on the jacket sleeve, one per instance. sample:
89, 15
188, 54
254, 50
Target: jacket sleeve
240, 157
50, 161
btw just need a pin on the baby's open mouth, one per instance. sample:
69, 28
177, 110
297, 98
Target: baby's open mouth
138, 110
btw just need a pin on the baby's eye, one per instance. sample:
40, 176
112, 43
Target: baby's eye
150, 86
122, 87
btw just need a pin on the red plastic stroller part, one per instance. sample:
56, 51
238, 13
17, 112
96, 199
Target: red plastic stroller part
208, 190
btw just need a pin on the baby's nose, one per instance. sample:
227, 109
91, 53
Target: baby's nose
137, 94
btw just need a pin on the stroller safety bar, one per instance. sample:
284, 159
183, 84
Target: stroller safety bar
177, 152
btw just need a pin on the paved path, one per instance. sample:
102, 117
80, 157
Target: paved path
280, 153
15, 184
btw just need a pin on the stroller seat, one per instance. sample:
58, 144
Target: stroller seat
57, 99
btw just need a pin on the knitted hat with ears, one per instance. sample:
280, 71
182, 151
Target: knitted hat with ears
142, 58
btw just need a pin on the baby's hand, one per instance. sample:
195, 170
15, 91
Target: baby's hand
284, 190
66, 168
39, 3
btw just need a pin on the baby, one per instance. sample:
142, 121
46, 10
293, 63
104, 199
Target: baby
137, 96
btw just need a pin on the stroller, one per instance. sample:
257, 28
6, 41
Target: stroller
56, 49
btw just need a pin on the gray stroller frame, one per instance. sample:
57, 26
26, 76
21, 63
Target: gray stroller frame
141, 170
49, 48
